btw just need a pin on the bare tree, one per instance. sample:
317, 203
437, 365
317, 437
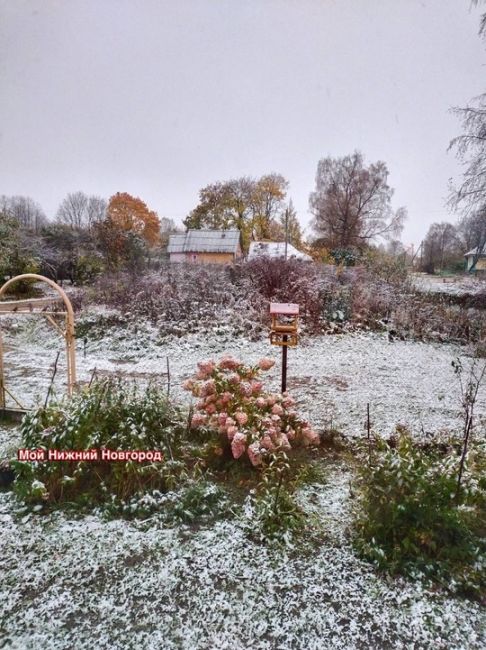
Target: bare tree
441, 246
470, 196
28, 214
352, 203
96, 210
290, 226
78, 210
472, 231
73, 210
482, 24
167, 227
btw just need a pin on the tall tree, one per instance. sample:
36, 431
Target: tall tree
268, 196
28, 214
352, 203
470, 195
482, 24
167, 227
472, 230
96, 210
131, 214
290, 226
253, 206
441, 247
78, 210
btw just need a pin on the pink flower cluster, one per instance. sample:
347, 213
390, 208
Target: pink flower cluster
233, 403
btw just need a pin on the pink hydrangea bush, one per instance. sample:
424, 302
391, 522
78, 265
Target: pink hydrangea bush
250, 421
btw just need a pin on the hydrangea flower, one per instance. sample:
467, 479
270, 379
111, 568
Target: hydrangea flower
249, 421
266, 363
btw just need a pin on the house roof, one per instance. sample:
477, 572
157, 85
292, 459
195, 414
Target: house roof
205, 241
474, 251
275, 249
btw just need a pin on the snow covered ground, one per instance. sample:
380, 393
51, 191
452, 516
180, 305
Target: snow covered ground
88, 583
456, 285
333, 377
83, 583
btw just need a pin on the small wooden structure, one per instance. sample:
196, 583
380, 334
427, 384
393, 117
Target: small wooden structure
285, 322
284, 331
45, 307
476, 260
205, 246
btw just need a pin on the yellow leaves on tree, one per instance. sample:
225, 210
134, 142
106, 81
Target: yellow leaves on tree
131, 214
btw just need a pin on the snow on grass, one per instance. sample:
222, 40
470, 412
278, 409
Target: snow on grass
83, 582
333, 377
457, 285
79, 583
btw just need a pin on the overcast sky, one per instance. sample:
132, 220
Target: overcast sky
159, 98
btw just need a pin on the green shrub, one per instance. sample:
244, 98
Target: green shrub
112, 415
408, 519
195, 499
192, 480
87, 268
275, 516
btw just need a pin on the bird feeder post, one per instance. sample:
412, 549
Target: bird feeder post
2, 379
284, 331
284, 363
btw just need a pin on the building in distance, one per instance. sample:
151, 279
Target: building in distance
205, 246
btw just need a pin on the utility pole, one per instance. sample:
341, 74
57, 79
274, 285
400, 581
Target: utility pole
286, 231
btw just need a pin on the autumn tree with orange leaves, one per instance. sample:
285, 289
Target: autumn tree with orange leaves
131, 214
126, 233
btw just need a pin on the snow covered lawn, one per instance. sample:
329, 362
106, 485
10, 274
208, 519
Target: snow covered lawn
84, 583
333, 377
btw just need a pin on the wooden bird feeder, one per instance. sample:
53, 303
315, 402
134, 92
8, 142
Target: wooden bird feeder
285, 322
48, 308
284, 331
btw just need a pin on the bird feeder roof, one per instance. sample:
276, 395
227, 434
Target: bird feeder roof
284, 308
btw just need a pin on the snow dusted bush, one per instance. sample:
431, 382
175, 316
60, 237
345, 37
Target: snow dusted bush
174, 477
111, 415
274, 515
184, 298
176, 292
324, 296
409, 519
249, 422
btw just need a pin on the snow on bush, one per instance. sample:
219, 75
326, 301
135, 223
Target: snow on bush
410, 519
250, 421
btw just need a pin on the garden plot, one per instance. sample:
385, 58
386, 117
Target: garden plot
66, 582
71, 582
458, 285
332, 377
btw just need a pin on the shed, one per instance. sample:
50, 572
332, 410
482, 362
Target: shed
481, 259
275, 249
206, 246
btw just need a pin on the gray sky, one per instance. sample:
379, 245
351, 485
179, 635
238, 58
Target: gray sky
159, 98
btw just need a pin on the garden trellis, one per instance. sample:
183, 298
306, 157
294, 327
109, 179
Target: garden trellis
47, 306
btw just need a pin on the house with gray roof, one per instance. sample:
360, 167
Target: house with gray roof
480, 258
205, 246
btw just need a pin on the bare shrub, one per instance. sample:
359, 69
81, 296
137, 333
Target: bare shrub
375, 295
